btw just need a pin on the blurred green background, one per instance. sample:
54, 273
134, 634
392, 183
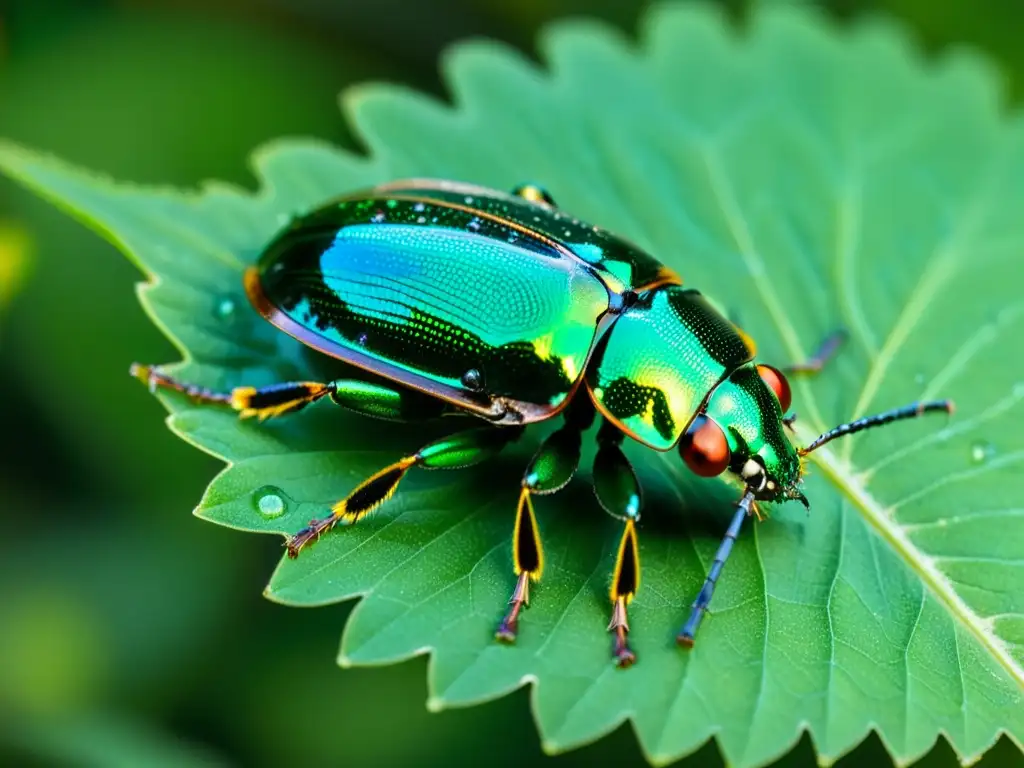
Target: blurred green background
130, 632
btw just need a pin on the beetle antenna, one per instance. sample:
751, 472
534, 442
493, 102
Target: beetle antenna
911, 411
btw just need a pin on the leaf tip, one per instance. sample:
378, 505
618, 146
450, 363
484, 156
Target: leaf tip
435, 704
550, 747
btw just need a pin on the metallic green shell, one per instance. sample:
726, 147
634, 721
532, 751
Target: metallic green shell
749, 413
471, 308
622, 265
660, 361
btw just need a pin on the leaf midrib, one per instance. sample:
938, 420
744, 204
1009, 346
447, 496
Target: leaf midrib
933, 579
871, 510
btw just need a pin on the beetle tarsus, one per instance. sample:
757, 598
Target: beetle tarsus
155, 379
625, 582
309, 534
622, 654
509, 627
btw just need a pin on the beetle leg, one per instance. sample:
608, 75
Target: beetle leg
261, 402
385, 402
550, 470
366, 398
700, 605
618, 491
463, 449
825, 353
528, 562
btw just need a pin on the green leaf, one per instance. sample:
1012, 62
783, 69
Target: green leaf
807, 179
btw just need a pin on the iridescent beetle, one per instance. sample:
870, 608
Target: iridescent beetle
464, 300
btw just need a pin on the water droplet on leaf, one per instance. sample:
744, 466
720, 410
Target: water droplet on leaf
982, 452
225, 308
270, 501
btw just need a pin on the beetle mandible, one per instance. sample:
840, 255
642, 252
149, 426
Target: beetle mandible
466, 301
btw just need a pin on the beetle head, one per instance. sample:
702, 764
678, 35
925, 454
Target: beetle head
741, 430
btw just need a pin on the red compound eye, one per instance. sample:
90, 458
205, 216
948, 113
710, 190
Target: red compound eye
704, 448
776, 383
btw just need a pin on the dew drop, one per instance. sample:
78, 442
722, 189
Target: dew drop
421, 219
419, 207
270, 501
982, 452
225, 308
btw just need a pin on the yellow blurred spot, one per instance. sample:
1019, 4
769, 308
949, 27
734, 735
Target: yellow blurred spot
14, 246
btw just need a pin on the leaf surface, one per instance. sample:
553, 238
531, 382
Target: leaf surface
806, 179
